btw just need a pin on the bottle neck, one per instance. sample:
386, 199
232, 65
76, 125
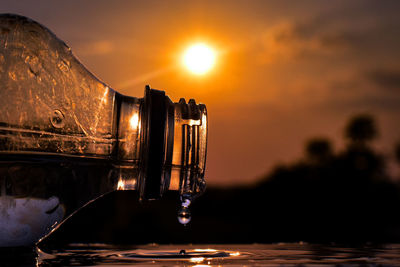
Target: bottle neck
163, 143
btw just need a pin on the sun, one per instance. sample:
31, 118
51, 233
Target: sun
199, 58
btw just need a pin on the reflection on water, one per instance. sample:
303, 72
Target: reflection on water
205, 255
233, 255
23, 221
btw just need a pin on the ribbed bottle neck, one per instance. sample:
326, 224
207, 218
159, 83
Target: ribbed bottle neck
173, 144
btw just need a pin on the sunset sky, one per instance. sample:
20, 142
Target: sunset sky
286, 71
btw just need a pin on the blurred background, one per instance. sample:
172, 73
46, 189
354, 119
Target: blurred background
303, 102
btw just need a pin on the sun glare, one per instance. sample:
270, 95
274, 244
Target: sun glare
199, 58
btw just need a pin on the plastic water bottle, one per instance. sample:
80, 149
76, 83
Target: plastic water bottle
66, 138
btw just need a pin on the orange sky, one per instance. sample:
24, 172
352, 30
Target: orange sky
287, 71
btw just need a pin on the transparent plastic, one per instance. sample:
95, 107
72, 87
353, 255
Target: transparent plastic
66, 138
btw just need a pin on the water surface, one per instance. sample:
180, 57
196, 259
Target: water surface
220, 255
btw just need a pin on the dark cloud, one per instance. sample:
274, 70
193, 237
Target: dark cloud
385, 78
380, 102
356, 94
360, 26
371, 103
343, 39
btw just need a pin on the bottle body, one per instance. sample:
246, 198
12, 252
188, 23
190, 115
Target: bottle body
66, 138
38, 193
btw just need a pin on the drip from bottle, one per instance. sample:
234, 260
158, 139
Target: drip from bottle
184, 214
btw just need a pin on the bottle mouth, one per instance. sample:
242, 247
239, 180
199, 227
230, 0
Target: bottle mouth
173, 146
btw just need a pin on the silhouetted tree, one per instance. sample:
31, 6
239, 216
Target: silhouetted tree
318, 150
361, 129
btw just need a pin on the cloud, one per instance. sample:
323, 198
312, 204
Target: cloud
374, 103
385, 78
361, 93
353, 31
289, 40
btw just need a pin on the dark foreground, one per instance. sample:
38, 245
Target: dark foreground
329, 195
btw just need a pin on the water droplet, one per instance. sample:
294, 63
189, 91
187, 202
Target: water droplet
186, 202
33, 66
182, 252
184, 216
57, 119
63, 65
12, 75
